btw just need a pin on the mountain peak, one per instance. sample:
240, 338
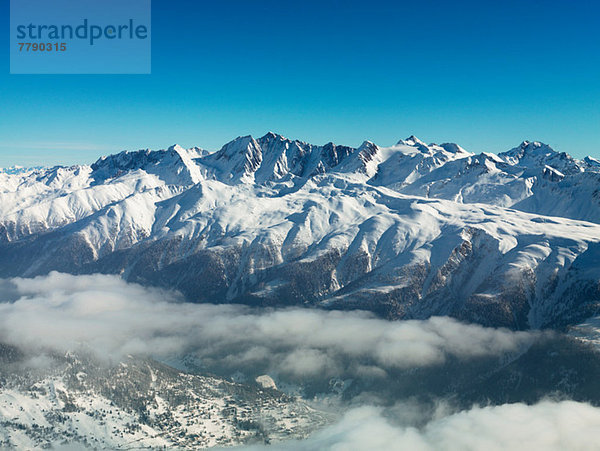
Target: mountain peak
176, 148
173, 165
413, 141
241, 139
452, 148
241, 144
270, 136
528, 149
532, 145
239, 158
367, 145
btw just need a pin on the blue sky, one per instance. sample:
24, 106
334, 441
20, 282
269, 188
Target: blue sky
486, 75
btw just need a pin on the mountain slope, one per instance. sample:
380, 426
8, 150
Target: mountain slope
407, 231
139, 403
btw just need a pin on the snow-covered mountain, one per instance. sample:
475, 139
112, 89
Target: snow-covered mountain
407, 231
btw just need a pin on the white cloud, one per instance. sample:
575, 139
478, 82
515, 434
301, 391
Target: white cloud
114, 318
545, 426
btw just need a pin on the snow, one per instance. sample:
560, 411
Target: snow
181, 410
273, 202
32, 412
130, 185
424, 229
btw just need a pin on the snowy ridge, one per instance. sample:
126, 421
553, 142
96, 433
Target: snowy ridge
407, 231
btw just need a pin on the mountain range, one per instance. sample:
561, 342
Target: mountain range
409, 231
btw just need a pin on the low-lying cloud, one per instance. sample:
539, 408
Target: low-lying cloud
113, 318
545, 426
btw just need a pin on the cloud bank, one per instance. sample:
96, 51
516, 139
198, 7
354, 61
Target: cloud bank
113, 318
545, 426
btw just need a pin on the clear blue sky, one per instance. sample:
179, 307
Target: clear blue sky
484, 74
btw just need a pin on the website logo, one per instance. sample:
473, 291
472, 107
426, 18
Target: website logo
80, 36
